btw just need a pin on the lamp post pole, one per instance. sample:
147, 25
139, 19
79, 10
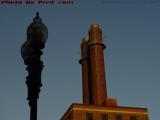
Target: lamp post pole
31, 52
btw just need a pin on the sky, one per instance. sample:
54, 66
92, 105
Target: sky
131, 32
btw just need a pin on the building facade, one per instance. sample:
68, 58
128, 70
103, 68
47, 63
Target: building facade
93, 112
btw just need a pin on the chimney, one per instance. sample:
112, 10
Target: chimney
93, 69
83, 61
96, 65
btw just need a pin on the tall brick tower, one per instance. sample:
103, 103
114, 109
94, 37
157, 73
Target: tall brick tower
96, 105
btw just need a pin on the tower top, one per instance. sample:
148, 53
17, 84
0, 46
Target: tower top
95, 26
86, 39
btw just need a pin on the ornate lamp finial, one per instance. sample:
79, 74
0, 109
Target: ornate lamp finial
37, 18
37, 14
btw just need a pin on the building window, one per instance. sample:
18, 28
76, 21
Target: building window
89, 116
133, 117
104, 116
118, 117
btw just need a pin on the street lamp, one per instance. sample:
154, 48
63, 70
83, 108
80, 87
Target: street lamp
37, 34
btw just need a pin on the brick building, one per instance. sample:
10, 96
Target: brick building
96, 105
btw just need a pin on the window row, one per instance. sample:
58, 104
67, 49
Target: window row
89, 116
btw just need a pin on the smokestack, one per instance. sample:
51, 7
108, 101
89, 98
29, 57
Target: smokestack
93, 69
96, 65
83, 61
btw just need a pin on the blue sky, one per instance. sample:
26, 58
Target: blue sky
131, 32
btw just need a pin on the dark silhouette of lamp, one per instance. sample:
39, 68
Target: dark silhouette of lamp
37, 34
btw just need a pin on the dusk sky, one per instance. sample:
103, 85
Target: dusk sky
131, 32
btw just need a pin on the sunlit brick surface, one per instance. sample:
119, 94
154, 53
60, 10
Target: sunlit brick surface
91, 112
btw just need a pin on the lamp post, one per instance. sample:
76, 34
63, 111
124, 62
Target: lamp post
31, 52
